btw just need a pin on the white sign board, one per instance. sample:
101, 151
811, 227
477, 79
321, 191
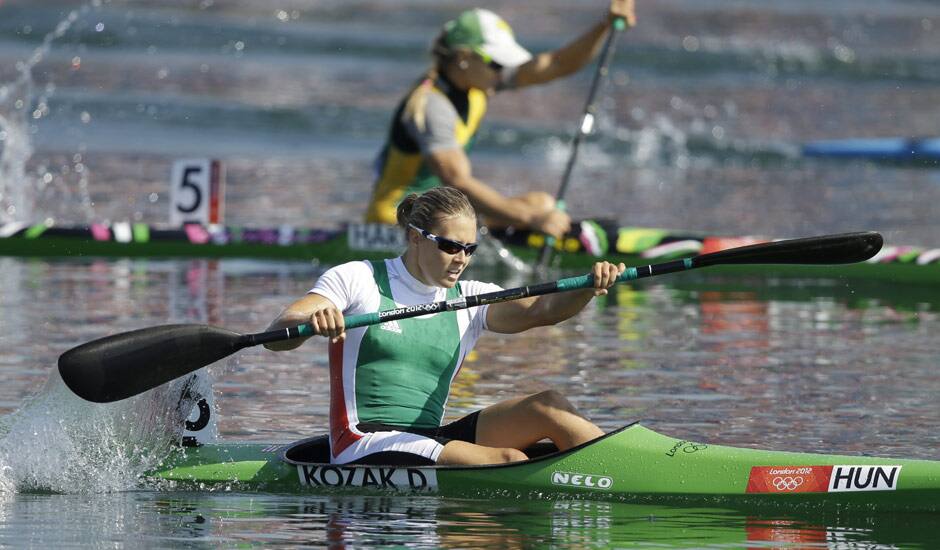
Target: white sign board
375, 237
197, 192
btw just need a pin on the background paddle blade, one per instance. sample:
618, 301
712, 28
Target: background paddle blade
846, 248
120, 366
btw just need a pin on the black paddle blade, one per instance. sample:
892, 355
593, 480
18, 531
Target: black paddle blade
123, 365
846, 248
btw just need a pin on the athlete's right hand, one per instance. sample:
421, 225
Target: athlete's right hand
328, 321
554, 223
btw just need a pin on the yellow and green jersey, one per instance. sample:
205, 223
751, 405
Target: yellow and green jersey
451, 120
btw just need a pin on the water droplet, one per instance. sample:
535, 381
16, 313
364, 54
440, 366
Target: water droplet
86, 117
99, 27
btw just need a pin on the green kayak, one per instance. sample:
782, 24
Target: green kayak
632, 464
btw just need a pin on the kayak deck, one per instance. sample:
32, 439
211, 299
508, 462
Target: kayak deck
633, 464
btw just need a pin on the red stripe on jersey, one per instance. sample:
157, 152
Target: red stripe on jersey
341, 436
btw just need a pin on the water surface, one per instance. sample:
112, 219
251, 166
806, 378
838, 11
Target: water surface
700, 129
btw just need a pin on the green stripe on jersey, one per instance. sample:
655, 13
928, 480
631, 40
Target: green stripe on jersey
405, 367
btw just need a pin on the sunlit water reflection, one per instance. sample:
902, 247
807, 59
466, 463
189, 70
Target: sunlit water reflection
799, 365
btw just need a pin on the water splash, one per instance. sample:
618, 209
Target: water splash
16, 147
19, 107
59, 443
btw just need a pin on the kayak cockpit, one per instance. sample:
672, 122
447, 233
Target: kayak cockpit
316, 450
313, 450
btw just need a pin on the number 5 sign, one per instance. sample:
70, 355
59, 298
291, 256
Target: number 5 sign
197, 192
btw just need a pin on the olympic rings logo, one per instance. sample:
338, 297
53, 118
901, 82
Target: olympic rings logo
787, 483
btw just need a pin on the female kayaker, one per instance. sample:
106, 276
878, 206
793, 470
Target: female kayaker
389, 383
474, 56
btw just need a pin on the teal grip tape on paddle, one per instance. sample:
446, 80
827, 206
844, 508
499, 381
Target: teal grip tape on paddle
305, 329
587, 281
574, 283
628, 274
362, 320
619, 24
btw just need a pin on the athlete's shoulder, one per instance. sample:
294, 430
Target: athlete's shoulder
472, 288
347, 285
351, 270
437, 108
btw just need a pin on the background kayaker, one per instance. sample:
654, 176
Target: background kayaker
390, 382
474, 56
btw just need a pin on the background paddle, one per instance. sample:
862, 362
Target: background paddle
586, 127
123, 365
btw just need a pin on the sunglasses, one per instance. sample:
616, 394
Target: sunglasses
447, 245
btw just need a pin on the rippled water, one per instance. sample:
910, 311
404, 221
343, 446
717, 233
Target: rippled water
791, 364
423, 522
701, 128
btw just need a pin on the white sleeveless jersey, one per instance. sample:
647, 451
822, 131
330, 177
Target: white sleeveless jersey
353, 288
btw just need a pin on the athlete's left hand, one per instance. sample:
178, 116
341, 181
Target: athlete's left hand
605, 276
624, 9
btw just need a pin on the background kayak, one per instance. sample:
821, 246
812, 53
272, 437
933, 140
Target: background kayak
514, 252
912, 150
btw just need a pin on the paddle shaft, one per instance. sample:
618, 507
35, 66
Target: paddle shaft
831, 249
464, 302
584, 129
122, 365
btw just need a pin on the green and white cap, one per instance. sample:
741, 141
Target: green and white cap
488, 35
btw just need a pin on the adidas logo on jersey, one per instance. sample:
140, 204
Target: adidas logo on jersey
391, 326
